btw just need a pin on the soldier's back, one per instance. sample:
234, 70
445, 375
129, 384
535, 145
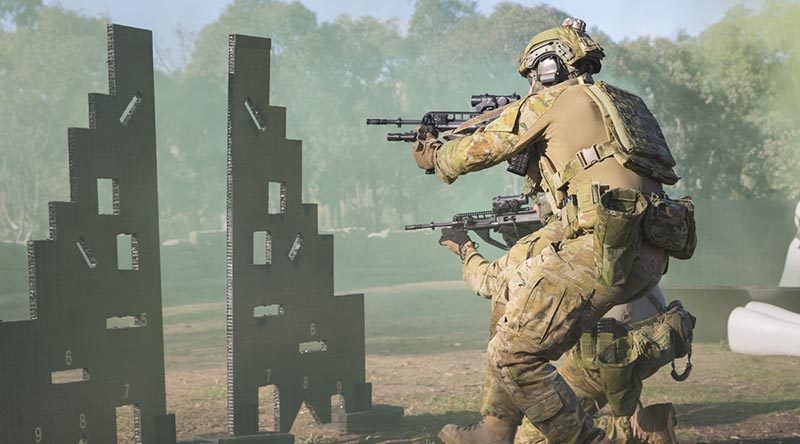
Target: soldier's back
574, 123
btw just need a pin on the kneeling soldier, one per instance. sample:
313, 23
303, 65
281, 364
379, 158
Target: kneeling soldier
602, 160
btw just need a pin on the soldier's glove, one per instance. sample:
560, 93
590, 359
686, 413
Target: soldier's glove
425, 132
456, 241
424, 149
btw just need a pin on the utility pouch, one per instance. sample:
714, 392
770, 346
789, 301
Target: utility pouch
588, 196
669, 224
616, 375
580, 211
617, 234
662, 339
569, 219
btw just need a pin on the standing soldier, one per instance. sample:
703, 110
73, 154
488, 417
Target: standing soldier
602, 160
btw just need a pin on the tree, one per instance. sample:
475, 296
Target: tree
45, 74
19, 12
726, 100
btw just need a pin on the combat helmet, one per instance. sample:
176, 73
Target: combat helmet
557, 54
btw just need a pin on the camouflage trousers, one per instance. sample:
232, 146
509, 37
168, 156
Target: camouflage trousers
651, 343
554, 297
587, 386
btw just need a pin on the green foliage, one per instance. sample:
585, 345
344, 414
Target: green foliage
727, 100
19, 12
44, 77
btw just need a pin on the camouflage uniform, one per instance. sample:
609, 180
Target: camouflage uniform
490, 279
558, 294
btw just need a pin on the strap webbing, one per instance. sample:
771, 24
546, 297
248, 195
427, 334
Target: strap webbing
583, 160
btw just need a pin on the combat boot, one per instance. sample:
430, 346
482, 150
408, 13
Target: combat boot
491, 430
655, 424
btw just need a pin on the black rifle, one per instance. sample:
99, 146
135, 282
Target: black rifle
448, 121
507, 211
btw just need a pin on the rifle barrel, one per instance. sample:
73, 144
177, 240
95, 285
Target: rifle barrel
398, 121
431, 226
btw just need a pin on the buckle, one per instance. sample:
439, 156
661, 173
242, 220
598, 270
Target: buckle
567, 200
588, 156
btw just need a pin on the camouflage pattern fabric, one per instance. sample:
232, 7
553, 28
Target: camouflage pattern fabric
578, 43
584, 381
670, 225
498, 141
490, 280
553, 298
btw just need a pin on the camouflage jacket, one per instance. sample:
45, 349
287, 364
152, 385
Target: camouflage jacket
493, 280
496, 142
490, 279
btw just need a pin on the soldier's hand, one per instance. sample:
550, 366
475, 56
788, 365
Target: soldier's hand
456, 241
424, 149
426, 132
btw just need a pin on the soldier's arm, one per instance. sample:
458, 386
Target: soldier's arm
496, 143
483, 276
480, 274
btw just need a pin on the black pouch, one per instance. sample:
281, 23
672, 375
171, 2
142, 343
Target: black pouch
669, 224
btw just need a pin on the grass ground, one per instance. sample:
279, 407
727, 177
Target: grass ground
425, 346
728, 398
429, 359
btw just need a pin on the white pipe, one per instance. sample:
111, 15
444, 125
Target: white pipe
774, 311
754, 333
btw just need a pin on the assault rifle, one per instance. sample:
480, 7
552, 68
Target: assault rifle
452, 125
507, 211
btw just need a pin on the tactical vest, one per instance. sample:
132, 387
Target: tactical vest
635, 140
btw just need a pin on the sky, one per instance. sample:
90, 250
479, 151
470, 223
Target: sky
619, 18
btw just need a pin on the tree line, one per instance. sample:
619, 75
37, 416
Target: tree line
726, 99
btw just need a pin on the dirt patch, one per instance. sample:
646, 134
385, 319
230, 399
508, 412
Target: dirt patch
728, 398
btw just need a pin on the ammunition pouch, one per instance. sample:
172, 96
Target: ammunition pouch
606, 349
669, 224
618, 234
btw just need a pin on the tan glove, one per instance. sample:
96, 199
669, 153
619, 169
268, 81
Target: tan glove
424, 149
456, 241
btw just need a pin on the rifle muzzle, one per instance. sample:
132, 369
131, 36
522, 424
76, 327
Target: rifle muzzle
402, 137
